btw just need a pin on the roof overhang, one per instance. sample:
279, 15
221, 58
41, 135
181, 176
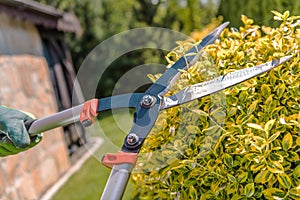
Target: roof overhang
41, 15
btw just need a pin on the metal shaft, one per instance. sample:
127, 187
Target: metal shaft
62, 118
117, 182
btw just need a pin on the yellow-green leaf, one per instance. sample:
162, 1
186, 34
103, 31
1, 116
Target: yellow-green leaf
287, 142
273, 78
294, 193
293, 156
249, 190
192, 192
269, 125
298, 141
193, 129
273, 137
242, 177
274, 193
296, 172
286, 14
257, 166
269, 99
210, 130
232, 111
251, 156
218, 115
151, 77
280, 90
206, 196
275, 167
252, 107
228, 160
284, 180
263, 176
265, 90
200, 112
255, 126
231, 178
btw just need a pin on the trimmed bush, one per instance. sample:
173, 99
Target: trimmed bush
241, 143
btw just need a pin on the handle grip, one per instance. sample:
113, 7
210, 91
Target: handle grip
62, 118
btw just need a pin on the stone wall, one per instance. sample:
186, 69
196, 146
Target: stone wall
25, 85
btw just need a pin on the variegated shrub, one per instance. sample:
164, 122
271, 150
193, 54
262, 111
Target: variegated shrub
241, 143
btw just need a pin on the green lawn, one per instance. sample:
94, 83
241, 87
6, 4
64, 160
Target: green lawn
88, 183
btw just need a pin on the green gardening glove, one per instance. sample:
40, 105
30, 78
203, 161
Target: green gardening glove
14, 137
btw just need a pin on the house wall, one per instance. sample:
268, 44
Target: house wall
25, 85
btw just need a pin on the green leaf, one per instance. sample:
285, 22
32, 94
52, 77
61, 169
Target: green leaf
280, 90
276, 157
293, 156
192, 192
232, 188
284, 180
275, 167
249, 190
273, 78
258, 192
294, 193
287, 142
242, 177
265, 90
243, 96
231, 178
296, 172
255, 126
228, 160
193, 129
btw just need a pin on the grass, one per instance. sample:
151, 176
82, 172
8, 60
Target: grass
88, 183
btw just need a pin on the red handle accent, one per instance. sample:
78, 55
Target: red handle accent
111, 159
89, 112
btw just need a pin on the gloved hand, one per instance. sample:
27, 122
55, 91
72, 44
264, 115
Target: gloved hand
14, 137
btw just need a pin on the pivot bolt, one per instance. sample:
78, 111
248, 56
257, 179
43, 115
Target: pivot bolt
148, 101
86, 123
132, 139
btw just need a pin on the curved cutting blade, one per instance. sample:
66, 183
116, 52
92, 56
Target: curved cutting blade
220, 83
165, 82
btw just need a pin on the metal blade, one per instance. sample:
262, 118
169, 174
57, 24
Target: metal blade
164, 83
220, 83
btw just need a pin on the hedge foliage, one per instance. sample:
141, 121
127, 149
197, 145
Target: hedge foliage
241, 143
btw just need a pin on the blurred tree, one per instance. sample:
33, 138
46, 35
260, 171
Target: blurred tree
180, 15
101, 19
258, 10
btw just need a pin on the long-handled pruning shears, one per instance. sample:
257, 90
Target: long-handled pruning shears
148, 105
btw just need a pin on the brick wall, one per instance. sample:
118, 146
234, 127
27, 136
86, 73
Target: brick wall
25, 85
